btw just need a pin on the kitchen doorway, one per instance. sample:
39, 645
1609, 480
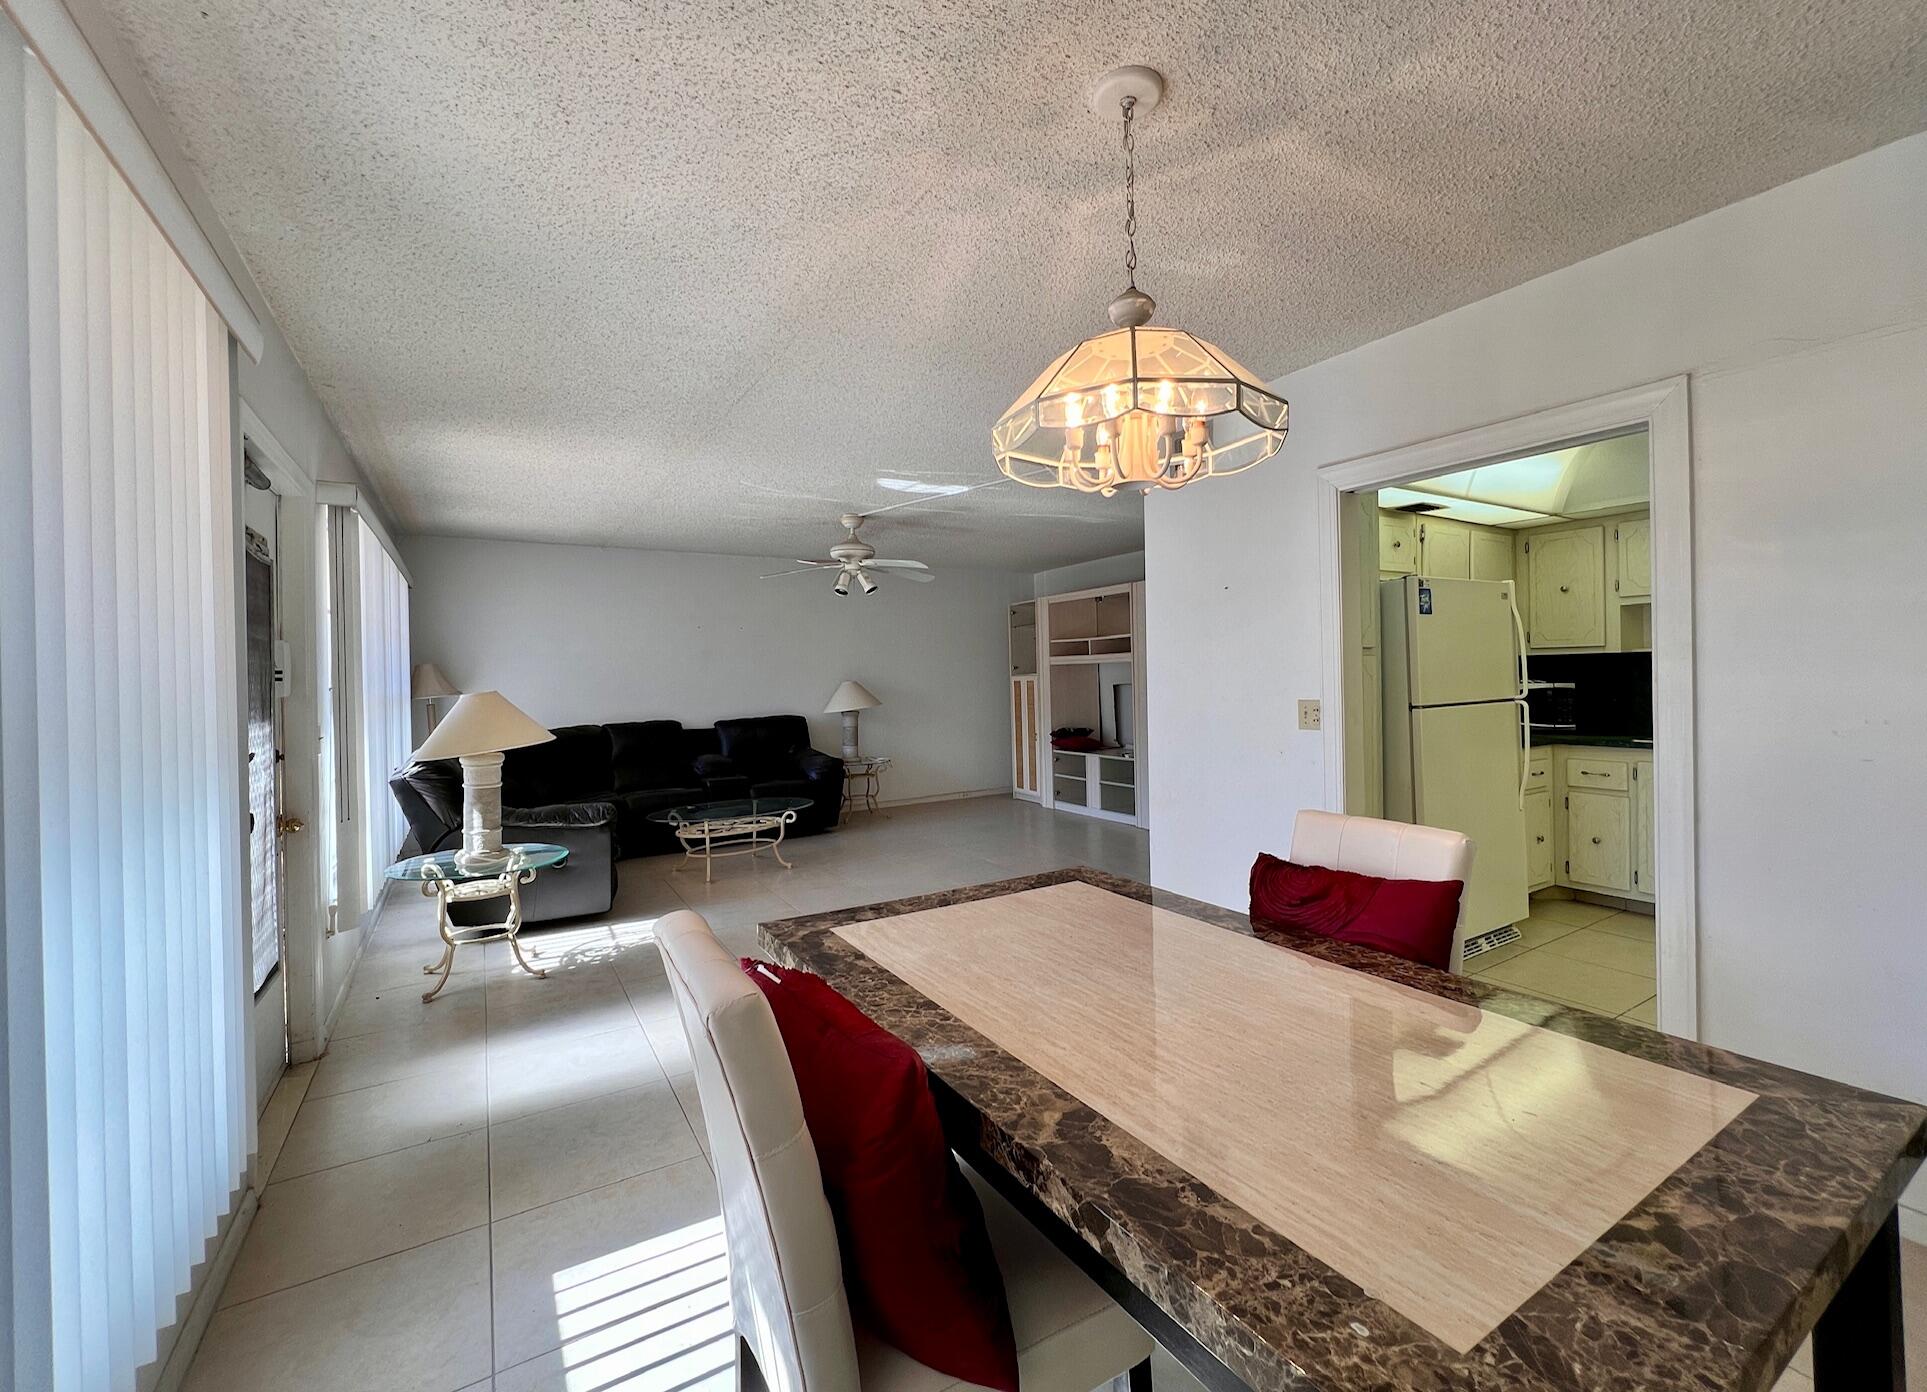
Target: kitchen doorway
1513, 656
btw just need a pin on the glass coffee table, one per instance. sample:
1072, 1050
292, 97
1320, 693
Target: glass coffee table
739, 826
443, 880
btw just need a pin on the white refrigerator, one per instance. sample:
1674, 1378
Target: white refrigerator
1455, 729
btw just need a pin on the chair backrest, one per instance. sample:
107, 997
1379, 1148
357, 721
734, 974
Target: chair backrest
785, 1277
1390, 850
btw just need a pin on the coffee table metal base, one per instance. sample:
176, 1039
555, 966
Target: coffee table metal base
711, 840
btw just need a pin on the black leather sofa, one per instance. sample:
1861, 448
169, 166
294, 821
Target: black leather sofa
593, 787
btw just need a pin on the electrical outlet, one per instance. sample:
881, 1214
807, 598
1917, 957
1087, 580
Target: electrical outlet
1309, 716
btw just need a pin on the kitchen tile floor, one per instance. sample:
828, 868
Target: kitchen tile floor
1589, 955
508, 1191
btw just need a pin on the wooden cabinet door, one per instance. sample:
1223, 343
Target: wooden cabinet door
1491, 555
1567, 574
1635, 543
1645, 881
1397, 542
1444, 549
1024, 738
1538, 838
1598, 841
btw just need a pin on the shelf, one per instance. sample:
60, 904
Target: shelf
1109, 783
1086, 659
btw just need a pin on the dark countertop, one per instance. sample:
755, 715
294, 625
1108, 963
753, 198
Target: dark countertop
1710, 1282
1542, 739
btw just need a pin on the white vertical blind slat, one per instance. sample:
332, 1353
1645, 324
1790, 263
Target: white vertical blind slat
132, 636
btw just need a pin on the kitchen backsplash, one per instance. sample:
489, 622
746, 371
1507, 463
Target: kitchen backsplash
1612, 692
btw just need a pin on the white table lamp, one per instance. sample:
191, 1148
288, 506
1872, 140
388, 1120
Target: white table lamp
850, 698
481, 726
431, 686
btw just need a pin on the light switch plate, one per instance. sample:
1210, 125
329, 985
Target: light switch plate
1310, 716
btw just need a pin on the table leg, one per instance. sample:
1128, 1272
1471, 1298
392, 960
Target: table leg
776, 846
1857, 1345
709, 858
514, 926
448, 941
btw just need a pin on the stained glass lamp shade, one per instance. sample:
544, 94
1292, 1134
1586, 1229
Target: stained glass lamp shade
1140, 407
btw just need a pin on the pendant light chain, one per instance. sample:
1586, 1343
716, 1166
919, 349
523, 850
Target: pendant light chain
1130, 194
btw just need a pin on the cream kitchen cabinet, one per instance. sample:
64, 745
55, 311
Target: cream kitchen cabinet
1645, 880
1539, 842
1598, 841
1397, 543
1491, 554
1633, 541
1566, 587
1444, 549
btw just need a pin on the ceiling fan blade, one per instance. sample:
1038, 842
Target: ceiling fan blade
897, 565
778, 574
922, 577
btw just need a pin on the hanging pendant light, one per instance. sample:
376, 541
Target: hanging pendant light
1132, 408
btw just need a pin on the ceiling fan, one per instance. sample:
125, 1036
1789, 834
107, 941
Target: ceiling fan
855, 561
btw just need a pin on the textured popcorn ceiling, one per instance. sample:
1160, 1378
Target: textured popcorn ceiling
696, 275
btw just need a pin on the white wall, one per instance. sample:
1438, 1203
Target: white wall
581, 634
1088, 575
1801, 316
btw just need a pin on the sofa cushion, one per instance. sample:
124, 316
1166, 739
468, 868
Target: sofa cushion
784, 788
649, 754
572, 767
635, 833
763, 744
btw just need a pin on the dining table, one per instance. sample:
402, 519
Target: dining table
1301, 1163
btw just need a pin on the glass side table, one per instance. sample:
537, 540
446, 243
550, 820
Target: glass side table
862, 781
447, 883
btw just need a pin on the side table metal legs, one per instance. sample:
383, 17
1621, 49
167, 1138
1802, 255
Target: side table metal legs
468, 891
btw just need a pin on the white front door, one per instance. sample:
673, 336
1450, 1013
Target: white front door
268, 981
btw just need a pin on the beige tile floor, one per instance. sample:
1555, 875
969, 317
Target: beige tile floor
1588, 955
507, 1189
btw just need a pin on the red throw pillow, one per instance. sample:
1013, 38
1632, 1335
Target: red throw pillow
917, 1259
1412, 919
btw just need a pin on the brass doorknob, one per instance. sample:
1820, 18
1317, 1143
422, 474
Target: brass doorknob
288, 826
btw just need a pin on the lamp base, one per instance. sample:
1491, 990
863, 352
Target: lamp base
481, 851
849, 736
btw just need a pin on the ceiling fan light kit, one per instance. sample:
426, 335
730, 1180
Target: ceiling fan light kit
856, 562
1132, 409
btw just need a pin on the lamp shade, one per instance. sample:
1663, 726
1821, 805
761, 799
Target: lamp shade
483, 722
430, 685
851, 696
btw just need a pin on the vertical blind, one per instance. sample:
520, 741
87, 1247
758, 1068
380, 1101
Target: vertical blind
386, 728
368, 730
127, 1125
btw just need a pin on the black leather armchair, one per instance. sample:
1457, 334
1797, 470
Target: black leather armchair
430, 795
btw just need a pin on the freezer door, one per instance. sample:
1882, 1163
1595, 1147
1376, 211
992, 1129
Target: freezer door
1462, 644
1465, 763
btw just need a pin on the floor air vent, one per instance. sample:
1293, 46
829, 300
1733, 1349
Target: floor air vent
1485, 942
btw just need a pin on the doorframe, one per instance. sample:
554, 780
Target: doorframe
296, 571
1662, 409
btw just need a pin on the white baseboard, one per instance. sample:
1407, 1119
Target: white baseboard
347, 980
207, 1295
943, 797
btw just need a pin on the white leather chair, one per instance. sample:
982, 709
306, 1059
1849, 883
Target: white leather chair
1390, 850
785, 1277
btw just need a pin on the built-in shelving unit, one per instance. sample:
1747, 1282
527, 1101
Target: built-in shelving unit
1091, 644
1026, 710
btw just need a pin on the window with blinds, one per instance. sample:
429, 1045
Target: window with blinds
127, 1124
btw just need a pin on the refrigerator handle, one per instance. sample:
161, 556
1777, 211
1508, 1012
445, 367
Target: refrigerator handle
1519, 628
1525, 748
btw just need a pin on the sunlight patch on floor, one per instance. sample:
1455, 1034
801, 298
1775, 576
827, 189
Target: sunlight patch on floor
651, 1317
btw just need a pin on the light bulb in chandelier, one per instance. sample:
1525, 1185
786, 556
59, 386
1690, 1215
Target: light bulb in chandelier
1142, 406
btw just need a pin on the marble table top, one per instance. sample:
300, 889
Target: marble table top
1337, 1170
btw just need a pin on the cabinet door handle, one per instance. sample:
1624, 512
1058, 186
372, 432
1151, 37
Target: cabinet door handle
1540, 839
1595, 840
1565, 589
